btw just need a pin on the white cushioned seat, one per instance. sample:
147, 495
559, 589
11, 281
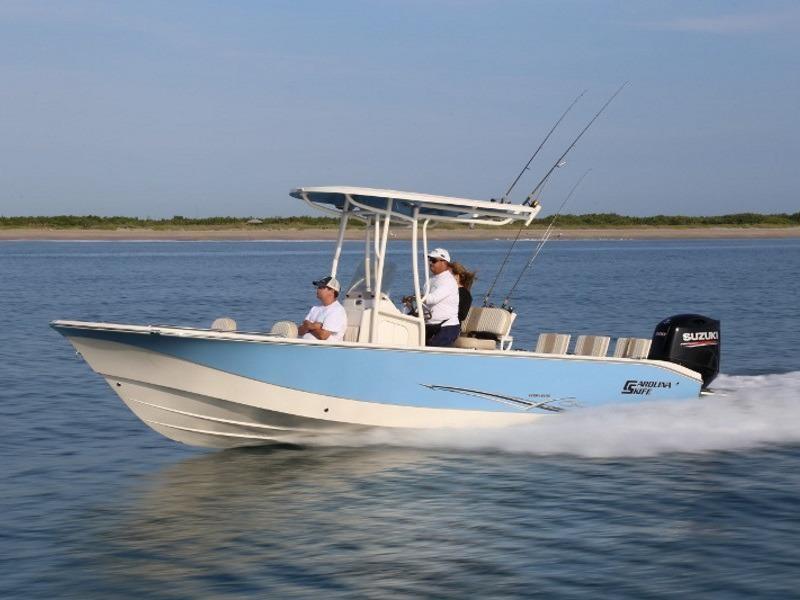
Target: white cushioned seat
472, 343
351, 333
354, 309
632, 348
224, 324
592, 345
486, 321
552, 343
287, 329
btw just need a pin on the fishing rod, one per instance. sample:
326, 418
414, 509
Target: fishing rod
504, 199
532, 196
487, 297
532, 199
527, 166
543, 241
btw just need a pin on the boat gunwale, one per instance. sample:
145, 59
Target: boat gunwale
266, 338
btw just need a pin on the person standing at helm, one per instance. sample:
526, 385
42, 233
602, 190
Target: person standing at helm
440, 302
327, 320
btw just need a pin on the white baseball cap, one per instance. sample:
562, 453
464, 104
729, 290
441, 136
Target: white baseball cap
328, 282
440, 253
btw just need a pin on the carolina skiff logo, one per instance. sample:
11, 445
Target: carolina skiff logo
700, 338
634, 386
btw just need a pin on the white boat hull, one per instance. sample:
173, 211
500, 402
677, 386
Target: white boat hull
200, 406
224, 390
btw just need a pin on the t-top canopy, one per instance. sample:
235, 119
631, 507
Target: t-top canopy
367, 202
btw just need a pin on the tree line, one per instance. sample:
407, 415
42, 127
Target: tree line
570, 221
615, 220
176, 222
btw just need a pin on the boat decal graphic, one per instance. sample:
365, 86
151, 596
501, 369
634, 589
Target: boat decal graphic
699, 344
548, 405
633, 386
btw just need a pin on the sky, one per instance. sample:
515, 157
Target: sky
194, 108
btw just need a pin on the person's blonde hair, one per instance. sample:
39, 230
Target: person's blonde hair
465, 277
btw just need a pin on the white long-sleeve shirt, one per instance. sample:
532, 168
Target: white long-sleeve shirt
441, 299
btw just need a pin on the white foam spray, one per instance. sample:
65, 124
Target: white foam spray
746, 412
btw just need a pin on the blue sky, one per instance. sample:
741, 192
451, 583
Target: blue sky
208, 108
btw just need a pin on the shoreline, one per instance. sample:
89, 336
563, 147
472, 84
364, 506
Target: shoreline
618, 233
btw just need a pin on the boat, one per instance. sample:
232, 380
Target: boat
219, 387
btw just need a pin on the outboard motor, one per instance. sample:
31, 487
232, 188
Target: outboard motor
689, 340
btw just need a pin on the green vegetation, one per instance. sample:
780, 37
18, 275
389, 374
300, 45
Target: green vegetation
176, 222
736, 220
594, 220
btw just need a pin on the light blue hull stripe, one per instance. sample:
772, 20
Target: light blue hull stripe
400, 376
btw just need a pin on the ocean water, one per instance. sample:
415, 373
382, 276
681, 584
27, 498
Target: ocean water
691, 499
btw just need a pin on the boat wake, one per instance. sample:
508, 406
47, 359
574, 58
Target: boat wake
745, 412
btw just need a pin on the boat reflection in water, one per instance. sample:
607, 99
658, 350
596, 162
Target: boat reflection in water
263, 520
387, 522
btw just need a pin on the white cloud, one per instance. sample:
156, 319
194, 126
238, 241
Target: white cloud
735, 23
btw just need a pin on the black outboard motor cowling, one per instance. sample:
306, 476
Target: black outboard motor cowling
689, 340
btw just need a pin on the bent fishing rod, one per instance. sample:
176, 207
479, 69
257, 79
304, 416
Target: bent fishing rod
543, 241
532, 197
527, 166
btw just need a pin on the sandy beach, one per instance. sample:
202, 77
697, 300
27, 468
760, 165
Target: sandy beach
622, 233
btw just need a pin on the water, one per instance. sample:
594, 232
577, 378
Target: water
671, 500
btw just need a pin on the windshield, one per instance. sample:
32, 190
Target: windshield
358, 284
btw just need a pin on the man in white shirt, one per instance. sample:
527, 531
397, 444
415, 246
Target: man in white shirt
441, 301
328, 320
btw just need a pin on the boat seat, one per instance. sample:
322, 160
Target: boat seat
354, 312
485, 327
351, 333
592, 345
224, 324
632, 348
552, 343
287, 329
473, 343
